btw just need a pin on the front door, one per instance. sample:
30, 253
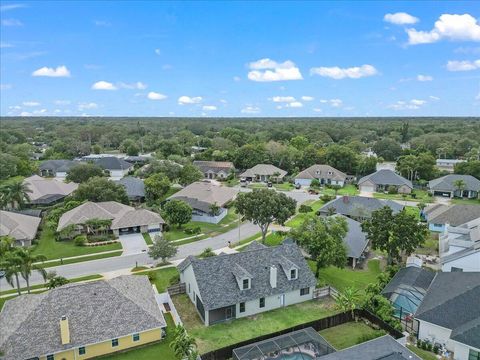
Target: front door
228, 313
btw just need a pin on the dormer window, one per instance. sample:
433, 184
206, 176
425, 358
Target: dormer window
293, 274
245, 284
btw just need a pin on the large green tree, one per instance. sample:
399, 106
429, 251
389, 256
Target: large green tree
264, 207
15, 194
322, 238
81, 172
388, 149
98, 189
156, 186
342, 158
177, 212
162, 249
189, 174
471, 167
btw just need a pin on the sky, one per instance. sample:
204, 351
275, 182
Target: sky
281, 59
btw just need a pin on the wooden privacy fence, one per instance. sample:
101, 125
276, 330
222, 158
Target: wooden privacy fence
177, 289
320, 324
324, 292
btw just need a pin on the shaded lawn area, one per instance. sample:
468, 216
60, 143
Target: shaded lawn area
232, 332
430, 247
420, 196
52, 249
161, 278
349, 189
424, 354
465, 201
347, 277
159, 350
169, 193
349, 334
298, 219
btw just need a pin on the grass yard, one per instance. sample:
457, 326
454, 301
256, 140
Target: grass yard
284, 186
420, 196
349, 190
349, 334
413, 210
465, 201
298, 219
159, 350
162, 277
85, 258
430, 247
220, 335
52, 249
347, 277
424, 354
147, 238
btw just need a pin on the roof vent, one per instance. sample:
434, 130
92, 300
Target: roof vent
64, 330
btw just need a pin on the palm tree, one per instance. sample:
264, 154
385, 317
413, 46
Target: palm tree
182, 345
215, 209
10, 263
460, 185
348, 300
28, 264
18, 194
276, 175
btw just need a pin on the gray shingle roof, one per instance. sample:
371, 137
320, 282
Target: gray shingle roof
112, 163
356, 240
321, 172
134, 187
97, 311
468, 333
386, 177
359, 206
44, 189
214, 166
384, 347
263, 169
18, 226
202, 194
412, 277
454, 215
447, 183
216, 278
57, 165
452, 302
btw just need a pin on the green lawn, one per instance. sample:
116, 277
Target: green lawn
220, 335
284, 186
349, 334
347, 277
430, 247
465, 201
298, 219
424, 354
159, 350
161, 278
420, 196
85, 258
349, 189
52, 249
413, 210
148, 238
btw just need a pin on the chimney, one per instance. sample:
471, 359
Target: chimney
64, 330
273, 276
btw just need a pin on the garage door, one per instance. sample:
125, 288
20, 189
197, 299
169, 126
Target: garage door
366, 188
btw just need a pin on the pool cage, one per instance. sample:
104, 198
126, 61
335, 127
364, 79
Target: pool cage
305, 344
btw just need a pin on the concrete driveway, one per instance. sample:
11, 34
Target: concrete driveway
133, 244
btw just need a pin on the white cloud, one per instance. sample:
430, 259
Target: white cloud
223, 101
332, 102
209, 107
167, 67
279, 99
449, 26
87, 106
236, 78
102, 23
183, 100
266, 70
4, 45
39, 112
31, 103
11, 7
157, 51
338, 73
413, 104
62, 102
424, 77
103, 85
295, 104
308, 98
59, 71
400, 18
465, 65
11, 22
5, 86
250, 110
137, 85
25, 113
477, 97
318, 110
156, 96
417, 102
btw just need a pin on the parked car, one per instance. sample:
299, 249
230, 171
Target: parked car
298, 186
269, 184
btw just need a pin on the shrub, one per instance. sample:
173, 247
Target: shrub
436, 349
392, 190
98, 238
414, 196
175, 279
419, 343
80, 240
326, 198
193, 231
305, 209
152, 275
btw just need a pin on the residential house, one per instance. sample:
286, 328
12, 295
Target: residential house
215, 169
246, 283
134, 187
138, 159
325, 174
447, 186
47, 191
81, 320
202, 196
439, 215
357, 207
56, 168
384, 179
115, 167
125, 219
22, 228
449, 314
448, 164
459, 247
355, 241
264, 173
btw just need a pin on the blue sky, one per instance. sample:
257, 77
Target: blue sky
240, 58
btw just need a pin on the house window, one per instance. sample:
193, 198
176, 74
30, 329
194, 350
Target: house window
50, 357
114, 342
245, 284
136, 337
81, 350
262, 302
473, 355
293, 274
304, 291
189, 288
242, 307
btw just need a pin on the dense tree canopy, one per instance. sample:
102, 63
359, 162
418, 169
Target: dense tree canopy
84, 171
99, 189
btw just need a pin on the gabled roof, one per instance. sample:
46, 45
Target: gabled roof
96, 311
263, 169
122, 216
384, 347
454, 215
214, 166
18, 226
48, 188
359, 206
356, 240
452, 302
201, 194
57, 165
112, 163
216, 280
133, 186
447, 183
321, 172
386, 177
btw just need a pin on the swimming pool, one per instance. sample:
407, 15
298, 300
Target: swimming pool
294, 356
406, 303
